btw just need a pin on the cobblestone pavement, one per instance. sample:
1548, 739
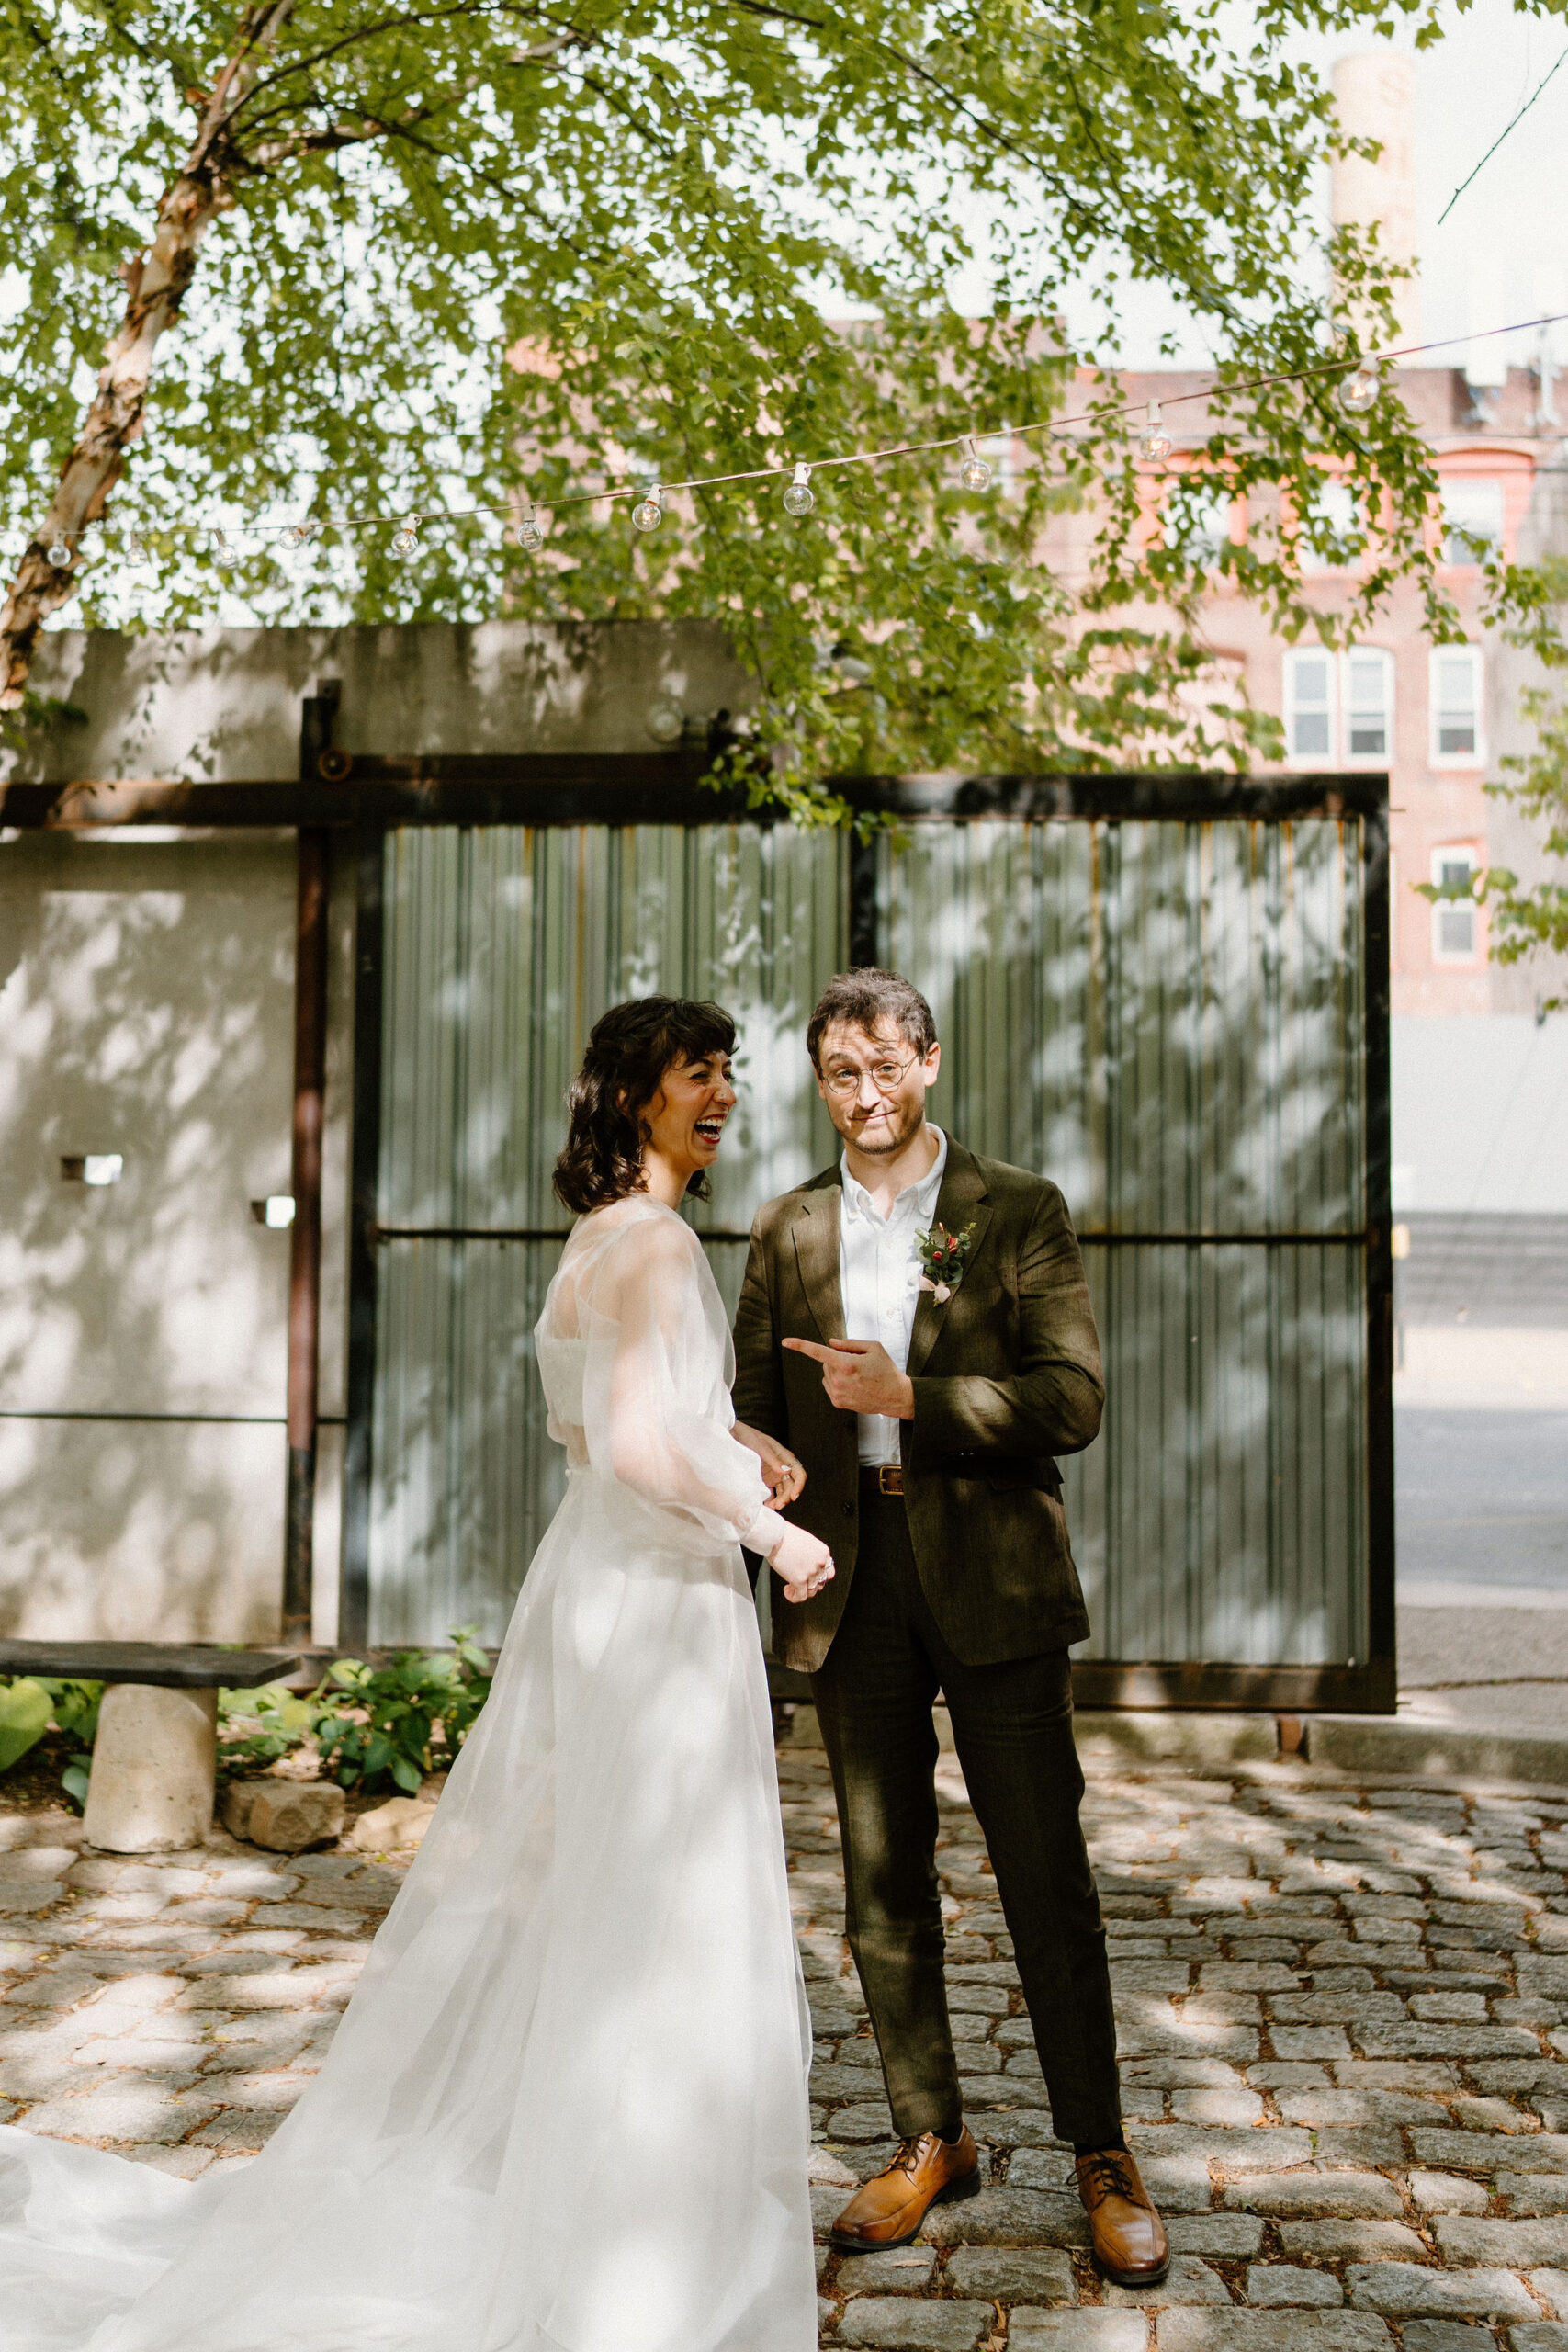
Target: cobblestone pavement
1343, 2015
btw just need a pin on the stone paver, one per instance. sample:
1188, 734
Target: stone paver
1344, 2018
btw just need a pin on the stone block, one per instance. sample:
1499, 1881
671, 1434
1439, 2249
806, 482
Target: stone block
1087, 2328
1353, 2195
891, 2270
1271, 2284
285, 1816
862, 2123
1237, 2108
1551, 2286
1237, 2330
1050, 2168
897, 2325
1536, 2335
1232, 2234
1445, 2336
400, 1823
1008, 2217
117, 2111
1188, 2280
1409, 2290
1013, 2274
1533, 2192
1519, 2244
1269, 2149
153, 1765
1448, 2192
1480, 2151
1351, 2241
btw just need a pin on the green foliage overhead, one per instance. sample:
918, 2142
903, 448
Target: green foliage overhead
655, 207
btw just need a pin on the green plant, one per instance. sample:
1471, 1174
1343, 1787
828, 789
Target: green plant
402, 1721
33, 1704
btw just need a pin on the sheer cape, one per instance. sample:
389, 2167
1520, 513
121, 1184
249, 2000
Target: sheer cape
566, 2109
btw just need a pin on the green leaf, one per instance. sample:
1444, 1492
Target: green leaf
74, 1781
407, 1776
24, 1711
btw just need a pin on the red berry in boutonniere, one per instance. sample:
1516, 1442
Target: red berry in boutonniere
942, 1257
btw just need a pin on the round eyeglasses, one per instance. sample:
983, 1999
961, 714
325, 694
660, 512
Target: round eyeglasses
884, 1076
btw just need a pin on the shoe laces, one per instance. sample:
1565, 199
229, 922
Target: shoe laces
1109, 2170
908, 2157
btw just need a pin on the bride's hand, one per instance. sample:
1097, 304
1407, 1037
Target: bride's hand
802, 1561
784, 1474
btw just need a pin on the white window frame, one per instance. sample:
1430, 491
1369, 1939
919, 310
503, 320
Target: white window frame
1352, 758
1294, 657
1452, 958
1437, 755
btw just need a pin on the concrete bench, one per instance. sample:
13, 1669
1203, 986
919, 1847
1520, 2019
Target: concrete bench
155, 1759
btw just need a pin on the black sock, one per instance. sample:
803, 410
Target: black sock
1094, 2147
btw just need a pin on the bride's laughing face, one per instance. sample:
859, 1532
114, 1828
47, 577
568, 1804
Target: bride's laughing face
685, 1119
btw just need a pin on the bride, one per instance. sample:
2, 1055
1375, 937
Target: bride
566, 2109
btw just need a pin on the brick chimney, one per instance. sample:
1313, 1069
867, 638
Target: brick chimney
1374, 91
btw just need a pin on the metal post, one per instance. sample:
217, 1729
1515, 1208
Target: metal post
305, 1237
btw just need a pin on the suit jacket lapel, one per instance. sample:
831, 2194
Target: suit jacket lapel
959, 1203
816, 1253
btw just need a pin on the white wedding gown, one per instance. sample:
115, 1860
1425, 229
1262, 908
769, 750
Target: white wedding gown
565, 2110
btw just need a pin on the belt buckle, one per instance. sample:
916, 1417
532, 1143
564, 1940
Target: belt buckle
890, 1478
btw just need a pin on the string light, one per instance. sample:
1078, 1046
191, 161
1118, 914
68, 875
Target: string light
222, 552
1358, 389
1155, 444
137, 553
800, 498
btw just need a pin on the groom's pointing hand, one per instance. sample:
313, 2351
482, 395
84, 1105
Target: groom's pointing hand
860, 1376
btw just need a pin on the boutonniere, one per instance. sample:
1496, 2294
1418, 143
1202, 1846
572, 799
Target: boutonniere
942, 1257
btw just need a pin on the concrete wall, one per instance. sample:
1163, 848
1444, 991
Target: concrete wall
223, 705
1480, 1112
146, 1008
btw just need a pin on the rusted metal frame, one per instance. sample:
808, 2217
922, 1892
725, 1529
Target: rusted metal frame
1381, 1671
310, 951
354, 1588
611, 787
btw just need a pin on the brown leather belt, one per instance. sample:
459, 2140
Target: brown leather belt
888, 1475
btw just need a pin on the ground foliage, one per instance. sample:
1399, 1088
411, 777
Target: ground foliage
479, 250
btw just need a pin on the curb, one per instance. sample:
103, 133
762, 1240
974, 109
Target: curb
1436, 1750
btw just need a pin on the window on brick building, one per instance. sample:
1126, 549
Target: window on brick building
1455, 921
1310, 714
1335, 512
1456, 680
1473, 521
1368, 702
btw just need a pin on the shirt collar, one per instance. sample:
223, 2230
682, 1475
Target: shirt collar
918, 1200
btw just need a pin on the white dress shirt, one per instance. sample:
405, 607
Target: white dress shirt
879, 1278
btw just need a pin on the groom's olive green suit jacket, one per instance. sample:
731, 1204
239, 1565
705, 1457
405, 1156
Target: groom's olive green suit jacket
1006, 1376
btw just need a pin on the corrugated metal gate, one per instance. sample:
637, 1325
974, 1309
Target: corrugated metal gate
1181, 1017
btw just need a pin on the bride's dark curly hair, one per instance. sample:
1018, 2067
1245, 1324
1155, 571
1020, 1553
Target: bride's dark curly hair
628, 1052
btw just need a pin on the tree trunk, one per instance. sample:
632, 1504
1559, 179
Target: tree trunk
156, 284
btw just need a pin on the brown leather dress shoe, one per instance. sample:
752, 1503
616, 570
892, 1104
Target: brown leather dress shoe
1130, 2242
889, 2210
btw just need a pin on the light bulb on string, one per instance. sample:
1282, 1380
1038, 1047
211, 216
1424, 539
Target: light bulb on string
800, 498
1155, 444
530, 537
973, 473
405, 540
222, 553
138, 555
649, 512
1359, 391
300, 534
58, 553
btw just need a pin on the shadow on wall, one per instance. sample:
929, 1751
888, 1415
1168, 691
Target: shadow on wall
146, 998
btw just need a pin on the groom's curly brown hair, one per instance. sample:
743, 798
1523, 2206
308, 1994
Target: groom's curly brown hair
629, 1049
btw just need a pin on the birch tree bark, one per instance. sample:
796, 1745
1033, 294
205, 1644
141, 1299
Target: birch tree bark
156, 282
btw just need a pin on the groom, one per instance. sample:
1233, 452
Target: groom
927, 1387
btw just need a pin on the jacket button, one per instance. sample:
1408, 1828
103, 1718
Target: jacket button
848, 1510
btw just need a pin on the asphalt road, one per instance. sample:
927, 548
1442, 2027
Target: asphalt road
1481, 1499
